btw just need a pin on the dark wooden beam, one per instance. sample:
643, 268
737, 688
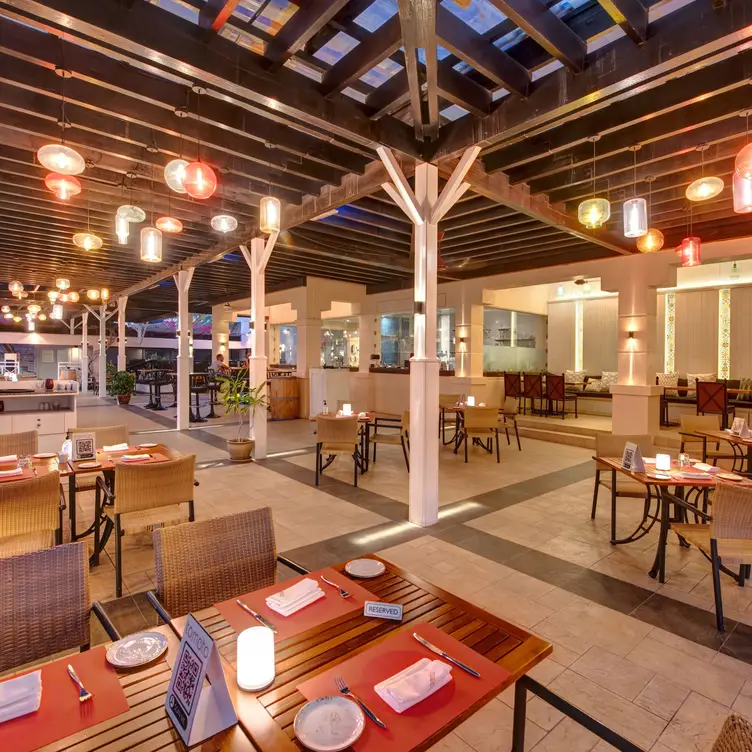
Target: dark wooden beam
551, 33
631, 15
213, 15
305, 22
469, 46
377, 46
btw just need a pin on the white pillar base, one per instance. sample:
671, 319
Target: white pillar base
257, 375
424, 442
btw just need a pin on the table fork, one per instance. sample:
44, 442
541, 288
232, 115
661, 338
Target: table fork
343, 688
342, 591
83, 693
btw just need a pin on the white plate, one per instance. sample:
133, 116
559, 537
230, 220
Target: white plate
329, 724
89, 465
45, 456
660, 476
146, 446
137, 650
729, 476
365, 568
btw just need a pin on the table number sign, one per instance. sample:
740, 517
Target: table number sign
198, 710
632, 458
383, 610
739, 428
84, 447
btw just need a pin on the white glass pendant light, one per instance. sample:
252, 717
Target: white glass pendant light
104, 294
30, 326
703, 188
174, 172
33, 308
122, 229
92, 294
74, 297
151, 244
64, 298
594, 212
8, 315
635, 218
270, 212
15, 287
132, 213
57, 312
62, 283
42, 317
88, 241
53, 295
224, 223
61, 159
5, 309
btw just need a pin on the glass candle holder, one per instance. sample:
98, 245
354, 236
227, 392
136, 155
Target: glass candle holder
255, 666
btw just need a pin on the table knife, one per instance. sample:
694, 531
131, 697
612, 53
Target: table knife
439, 651
256, 616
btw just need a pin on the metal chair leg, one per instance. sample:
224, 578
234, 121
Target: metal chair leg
118, 558
595, 493
318, 462
517, 434
716, 562
466, 442
355, 466
404, 452
498, 455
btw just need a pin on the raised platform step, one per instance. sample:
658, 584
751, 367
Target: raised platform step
558, 437
570, 425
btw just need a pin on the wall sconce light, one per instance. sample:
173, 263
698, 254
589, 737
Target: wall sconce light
255, 666
631, 335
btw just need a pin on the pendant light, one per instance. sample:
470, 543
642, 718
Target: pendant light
88, 241
653, 239
58, 157
122, 229
104, 294
593, 212
73, 297
15, 287
742, 190
151, 237
635, 210
92, 294
224, 223
199, 180
33, 308
743, 163
8, 315
704, 188
5, 309
64, 298
690, 251
128, 213
62, 283
57, 312
42, 317
63, 186
174, 172
169, 224
270, 213
17, 318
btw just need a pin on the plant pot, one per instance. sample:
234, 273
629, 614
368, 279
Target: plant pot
124, 399
240, 449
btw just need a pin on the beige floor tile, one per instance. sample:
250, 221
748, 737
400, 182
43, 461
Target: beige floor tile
662, 697
556, 598
609, 670
490, 729
510, 605
451, 743
695, 726
567, 736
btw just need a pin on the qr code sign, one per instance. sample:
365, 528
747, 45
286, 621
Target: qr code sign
186, 682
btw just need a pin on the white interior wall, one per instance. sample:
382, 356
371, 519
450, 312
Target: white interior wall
599, 335
696, 349
741, 332
561, 345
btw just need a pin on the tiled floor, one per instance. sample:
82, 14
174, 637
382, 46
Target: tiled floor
516, 539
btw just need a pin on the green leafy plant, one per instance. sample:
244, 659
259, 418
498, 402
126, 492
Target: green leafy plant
121, 382
240, 399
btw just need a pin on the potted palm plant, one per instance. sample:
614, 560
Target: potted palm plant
121, 386
240, 399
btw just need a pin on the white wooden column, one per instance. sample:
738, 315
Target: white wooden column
85, 352
220, 330
185, 324
257, 257
102, 351
425, 208
121, 360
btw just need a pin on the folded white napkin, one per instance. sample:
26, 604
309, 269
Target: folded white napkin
134, 457
15, 471
20, 696
407, 688
115, 448
707, 468
292, 599
9, 458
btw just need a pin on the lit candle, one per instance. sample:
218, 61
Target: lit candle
663, 462
470, 401
347, 410
255, 666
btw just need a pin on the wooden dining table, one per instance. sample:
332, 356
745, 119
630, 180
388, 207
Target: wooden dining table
737, 443
268, 715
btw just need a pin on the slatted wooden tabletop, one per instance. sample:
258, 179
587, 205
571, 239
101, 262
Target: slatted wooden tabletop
268, 716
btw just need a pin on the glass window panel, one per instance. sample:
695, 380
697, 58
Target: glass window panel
376, 14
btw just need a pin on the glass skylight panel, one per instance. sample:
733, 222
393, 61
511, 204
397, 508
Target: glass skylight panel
441, 53
336, 48
178, 8
454, 112
376, 14
479, 15
381, 73
274, 16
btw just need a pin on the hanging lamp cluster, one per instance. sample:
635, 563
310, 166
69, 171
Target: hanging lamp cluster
60, 294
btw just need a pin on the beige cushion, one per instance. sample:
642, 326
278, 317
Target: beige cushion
594, 385
731, 550
386, 438
26, 543
146, 520
668, 379
624, 486
693, 378
335, 447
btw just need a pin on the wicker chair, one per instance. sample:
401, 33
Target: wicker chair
394, 439
608, 445
735, 736
19, 443
696, 445
103, 436
510, 411
336, 436
481, 423
210, 561
31, 515
146, 497
447, 405
727, 539
44, 605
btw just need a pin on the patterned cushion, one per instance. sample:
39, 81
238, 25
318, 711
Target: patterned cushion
668, 379
571, 378
745, 384
609, 378
693, 378
594, 385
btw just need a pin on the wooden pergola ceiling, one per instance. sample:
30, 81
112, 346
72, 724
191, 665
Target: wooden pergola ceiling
292, 98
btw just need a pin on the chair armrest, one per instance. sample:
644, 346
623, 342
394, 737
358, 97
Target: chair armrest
158, 607
104, 620
109, 495
62, 500
293, 565
689, 507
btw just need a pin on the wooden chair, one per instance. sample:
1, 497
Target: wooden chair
532, 390
45, 605
735, 736
31, 514
481, 423
145, 497
210, 561
609, 445
336, 436
697, 446
447, 406
727, 540
711, 398
512, 385
510, 411
26, 442
556, 395
395, 439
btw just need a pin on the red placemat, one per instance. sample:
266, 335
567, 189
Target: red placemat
331, 606
406, 730
152, 459
25, 475
60, 713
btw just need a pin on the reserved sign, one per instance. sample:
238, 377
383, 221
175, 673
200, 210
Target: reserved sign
383, 610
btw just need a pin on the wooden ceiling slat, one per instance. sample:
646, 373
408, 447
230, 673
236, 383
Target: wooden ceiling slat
631, 15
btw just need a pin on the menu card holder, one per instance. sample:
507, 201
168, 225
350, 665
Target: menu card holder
198, 710
632, 458
740, 428
84, 446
